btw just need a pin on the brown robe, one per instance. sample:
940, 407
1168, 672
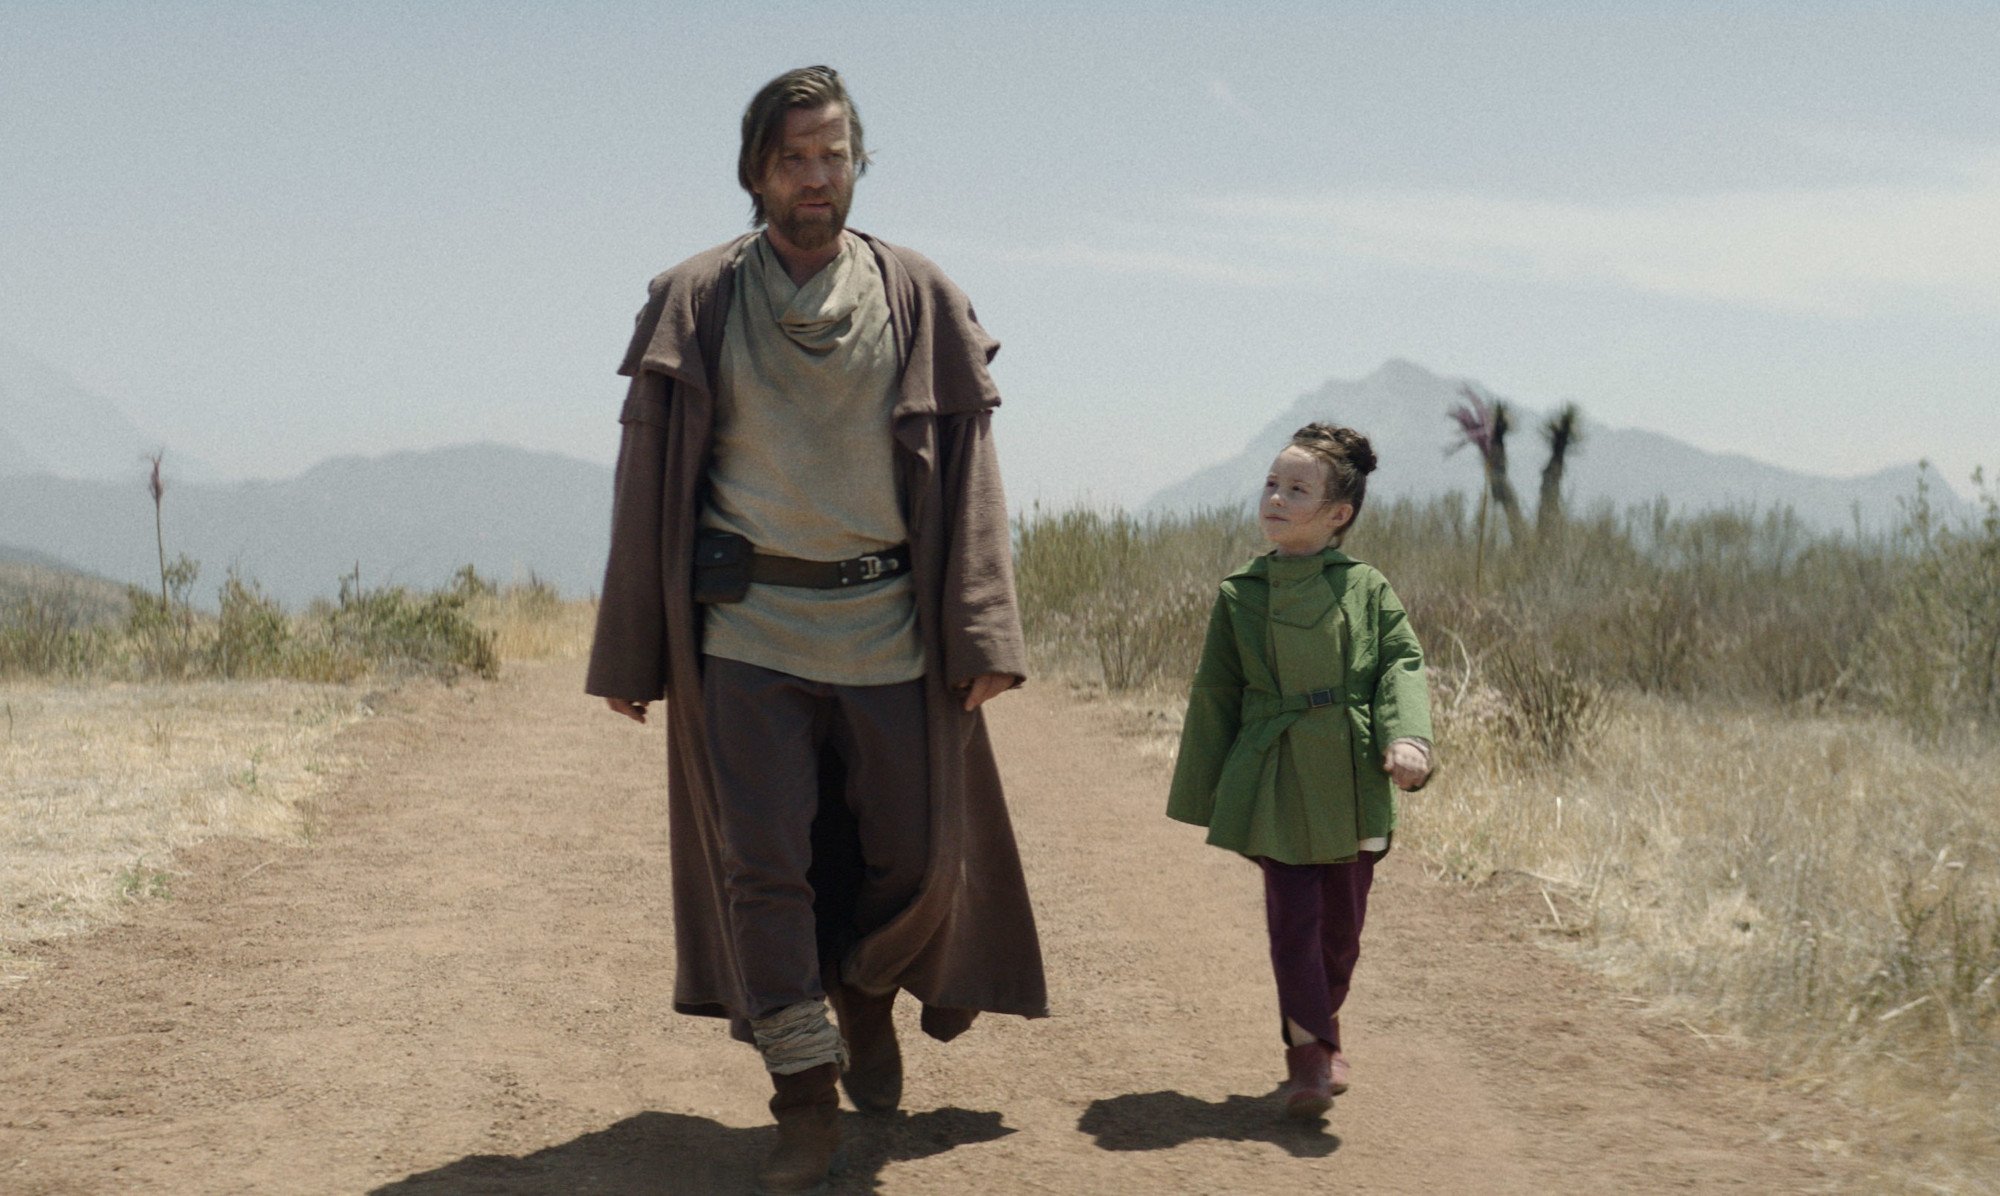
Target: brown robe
967, 942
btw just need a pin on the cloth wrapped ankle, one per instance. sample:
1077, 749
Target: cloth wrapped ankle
797, 1038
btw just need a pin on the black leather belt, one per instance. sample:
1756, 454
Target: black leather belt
766, 569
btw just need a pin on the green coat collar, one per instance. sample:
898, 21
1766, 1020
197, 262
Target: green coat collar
1259, 566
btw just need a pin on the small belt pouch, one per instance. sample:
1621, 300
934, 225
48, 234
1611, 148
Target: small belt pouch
721, 567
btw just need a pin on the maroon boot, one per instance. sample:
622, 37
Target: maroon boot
1308, 1089
1337, 1073
807, 1107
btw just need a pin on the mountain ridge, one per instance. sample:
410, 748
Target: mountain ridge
51, 424
407, 518
1402, 408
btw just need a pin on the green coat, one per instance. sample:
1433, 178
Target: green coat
1310, 670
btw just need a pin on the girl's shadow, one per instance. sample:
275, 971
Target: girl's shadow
1163, 1120
673, 1154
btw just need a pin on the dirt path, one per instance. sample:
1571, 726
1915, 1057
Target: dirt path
461, 985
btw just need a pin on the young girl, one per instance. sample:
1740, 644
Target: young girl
1308, 703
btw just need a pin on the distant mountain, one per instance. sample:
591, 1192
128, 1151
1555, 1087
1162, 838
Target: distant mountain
409, 519
49, 424
11, 554
1401, 408
68, 592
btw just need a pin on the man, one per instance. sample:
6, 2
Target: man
810, 561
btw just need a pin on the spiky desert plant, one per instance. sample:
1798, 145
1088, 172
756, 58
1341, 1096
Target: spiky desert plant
1483, 425
1475, 428
158, 489
1497, 480
1564, 433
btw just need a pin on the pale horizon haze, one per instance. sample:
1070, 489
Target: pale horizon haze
277, 233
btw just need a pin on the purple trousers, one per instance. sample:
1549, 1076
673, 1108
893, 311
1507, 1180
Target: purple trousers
1314, 913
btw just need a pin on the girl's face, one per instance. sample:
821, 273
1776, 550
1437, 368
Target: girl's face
1295, 516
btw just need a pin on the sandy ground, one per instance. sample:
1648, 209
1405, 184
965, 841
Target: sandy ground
461, 985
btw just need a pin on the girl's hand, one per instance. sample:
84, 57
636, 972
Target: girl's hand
1406, 764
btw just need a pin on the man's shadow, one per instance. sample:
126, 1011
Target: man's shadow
1163, 1120
673, 1154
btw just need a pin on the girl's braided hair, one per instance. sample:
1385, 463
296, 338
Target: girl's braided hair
1348, 458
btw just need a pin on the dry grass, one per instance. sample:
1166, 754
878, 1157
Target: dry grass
103, 780
532, 622
1824, 884
101, 784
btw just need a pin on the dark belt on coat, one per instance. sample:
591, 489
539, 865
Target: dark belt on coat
1266, 715
766, 569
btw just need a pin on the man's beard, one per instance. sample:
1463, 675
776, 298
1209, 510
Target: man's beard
811, 232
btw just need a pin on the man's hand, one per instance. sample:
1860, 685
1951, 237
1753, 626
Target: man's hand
1406, 764
636, 711
989, 686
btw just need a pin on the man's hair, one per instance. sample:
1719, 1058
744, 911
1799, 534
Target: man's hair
764, 124
1348, 459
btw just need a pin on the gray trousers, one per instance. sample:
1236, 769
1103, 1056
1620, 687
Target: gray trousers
802, 880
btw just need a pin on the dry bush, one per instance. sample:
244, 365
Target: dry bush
1546, 709
528, 620
387, 632
1121, 598
47, 633
1936, 651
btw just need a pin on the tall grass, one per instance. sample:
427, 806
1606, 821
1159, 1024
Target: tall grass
1124, 597
1730, 606
1754, 769
49, 631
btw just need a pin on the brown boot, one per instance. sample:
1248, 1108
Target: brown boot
1307, 1090
807, 1107
874, 1075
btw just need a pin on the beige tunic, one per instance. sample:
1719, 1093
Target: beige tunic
804, 466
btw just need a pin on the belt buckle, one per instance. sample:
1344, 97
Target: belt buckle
1319, 698
871, 567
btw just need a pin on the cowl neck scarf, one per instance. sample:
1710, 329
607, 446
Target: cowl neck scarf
819, 316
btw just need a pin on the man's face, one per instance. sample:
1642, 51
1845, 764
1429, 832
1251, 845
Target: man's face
808, 182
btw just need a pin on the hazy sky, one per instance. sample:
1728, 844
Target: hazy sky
276, 232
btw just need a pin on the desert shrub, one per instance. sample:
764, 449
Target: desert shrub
469, 584
1122, 596
44, 632
160, 628
1934, 657
529, 620
1547, 708
534, 598
251, 637
391, 627
47, 633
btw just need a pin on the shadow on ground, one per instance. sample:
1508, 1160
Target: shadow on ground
1163, 1120
673, 1154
